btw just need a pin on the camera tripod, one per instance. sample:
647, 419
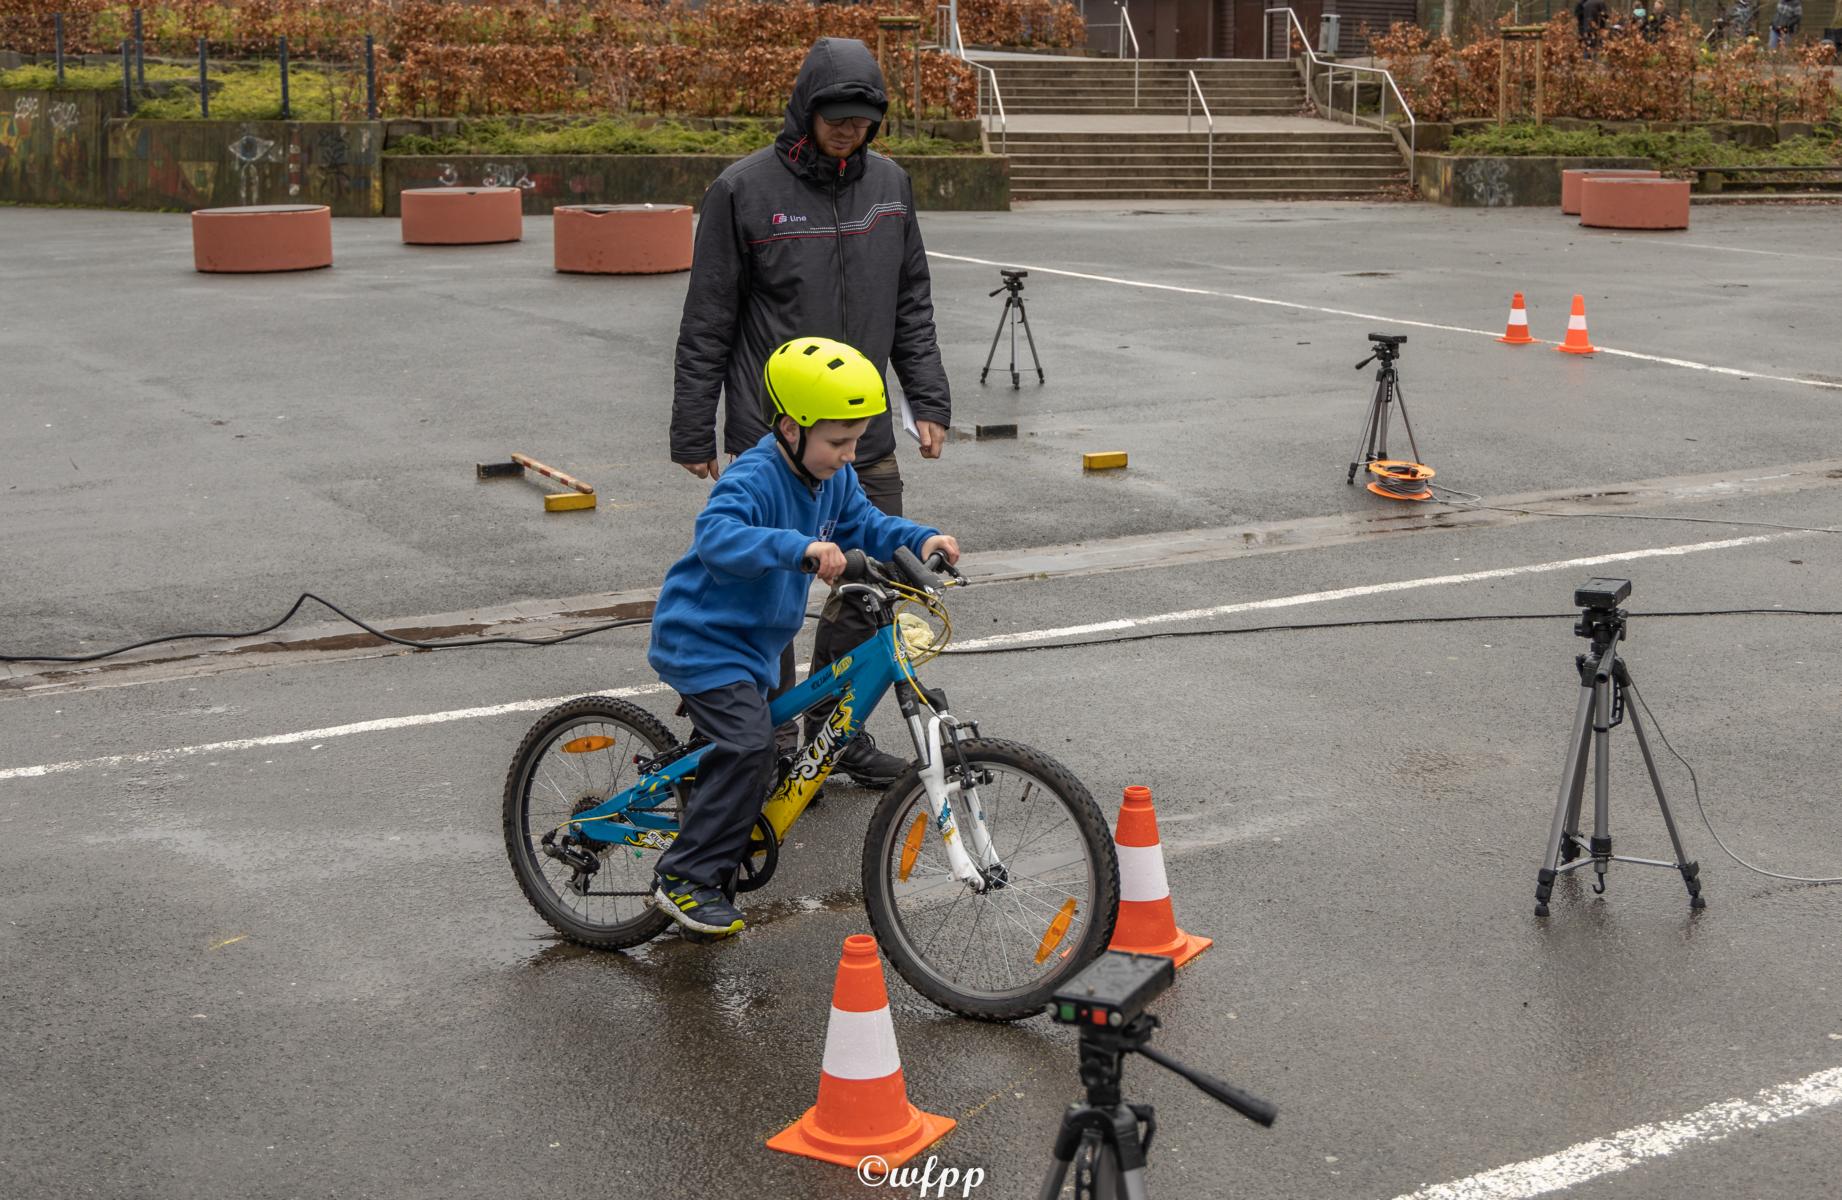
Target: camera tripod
1101, 1138
1604, 682
1012, 314
1374, 444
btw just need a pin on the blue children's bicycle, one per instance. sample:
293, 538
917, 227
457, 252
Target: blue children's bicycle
988, 871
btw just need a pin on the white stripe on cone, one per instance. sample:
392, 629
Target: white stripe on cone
1576, 321
1141, 873
861, 1045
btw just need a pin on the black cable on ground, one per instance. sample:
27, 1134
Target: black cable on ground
1474, 501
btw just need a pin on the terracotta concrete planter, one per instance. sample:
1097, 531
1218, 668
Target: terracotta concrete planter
1635, 203
263, 237
623, 239
462, 216
1570, 183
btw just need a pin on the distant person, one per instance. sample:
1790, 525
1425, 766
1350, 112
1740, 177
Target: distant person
1785, 21
814, 235
1593, 16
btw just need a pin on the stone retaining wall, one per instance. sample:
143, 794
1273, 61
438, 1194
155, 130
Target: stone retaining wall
964, 182
217, 164
1506, 182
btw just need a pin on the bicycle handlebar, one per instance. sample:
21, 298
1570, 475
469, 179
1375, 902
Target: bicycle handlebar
904, 567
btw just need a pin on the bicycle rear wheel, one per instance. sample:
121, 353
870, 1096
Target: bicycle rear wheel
995, 955
576, 756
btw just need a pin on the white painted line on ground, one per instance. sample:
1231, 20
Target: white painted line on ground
1643, 1143
1367, 589
1731, 249
1690, 364
380, 725
385, 724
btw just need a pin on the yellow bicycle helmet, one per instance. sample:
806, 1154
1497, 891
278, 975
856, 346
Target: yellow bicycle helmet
815, 379
818, 379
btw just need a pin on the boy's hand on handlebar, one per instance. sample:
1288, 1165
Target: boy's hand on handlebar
945, 545
824, 560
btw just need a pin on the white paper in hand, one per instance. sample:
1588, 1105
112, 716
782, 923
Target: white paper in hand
908, 420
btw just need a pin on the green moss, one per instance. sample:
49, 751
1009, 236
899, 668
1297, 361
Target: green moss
613, 136
254, 94
1670, 151
81, 79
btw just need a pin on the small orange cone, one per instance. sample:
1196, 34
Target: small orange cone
863, 1107
1147, 922
1577, 342
1518, 332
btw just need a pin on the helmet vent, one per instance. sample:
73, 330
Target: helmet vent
812, 349
858, 400
835, 363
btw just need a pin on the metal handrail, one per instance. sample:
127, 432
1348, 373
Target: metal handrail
1126, 30
1190, 110
1312, 61
997, 99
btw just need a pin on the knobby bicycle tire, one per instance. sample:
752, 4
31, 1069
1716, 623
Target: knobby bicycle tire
890, 827
521, 841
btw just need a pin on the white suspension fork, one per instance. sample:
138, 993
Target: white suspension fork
939, 799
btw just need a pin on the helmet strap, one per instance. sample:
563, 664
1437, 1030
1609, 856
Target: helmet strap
797, 454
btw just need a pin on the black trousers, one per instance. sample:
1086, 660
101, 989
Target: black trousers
732, 782
841, 627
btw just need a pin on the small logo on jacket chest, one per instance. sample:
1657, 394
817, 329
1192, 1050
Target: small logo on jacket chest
826, 530
789, 219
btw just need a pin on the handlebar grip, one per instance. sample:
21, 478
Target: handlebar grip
809, 565
912, 569
856, 567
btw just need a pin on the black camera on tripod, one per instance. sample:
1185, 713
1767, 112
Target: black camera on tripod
1601, 620
1107, 1139
1385, 346
1013, 281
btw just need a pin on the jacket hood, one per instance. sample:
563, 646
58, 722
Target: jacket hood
835, 69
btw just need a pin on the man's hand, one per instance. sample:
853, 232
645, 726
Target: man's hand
944, 543
829, 558
933, 438
704, 470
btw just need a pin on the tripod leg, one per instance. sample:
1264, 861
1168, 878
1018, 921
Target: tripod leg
1569, 799
994, 341
1365, 449
1601, 844
1014, 306
1401, 402
1691, 871
1034, 357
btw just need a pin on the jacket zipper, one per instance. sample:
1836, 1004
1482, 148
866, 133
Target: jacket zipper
837, 231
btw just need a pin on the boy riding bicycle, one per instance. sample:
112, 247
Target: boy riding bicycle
738, 598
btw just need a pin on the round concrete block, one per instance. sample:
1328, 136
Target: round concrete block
623, 239
461, 216
1635, 203
262, 237
1570, 182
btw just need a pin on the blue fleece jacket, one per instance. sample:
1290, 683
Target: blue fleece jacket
734, 602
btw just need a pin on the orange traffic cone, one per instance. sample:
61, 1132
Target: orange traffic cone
863, 1106
1518, 332
1147, 923
1577, 341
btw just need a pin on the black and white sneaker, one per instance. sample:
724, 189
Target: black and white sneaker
698, 909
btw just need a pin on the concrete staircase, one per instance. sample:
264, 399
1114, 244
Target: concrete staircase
1234, 88
1340, 162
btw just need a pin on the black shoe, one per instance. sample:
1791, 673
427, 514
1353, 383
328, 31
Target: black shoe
698, 909
867, 766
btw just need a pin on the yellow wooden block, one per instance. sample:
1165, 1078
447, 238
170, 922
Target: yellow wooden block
567, 501
1104, 460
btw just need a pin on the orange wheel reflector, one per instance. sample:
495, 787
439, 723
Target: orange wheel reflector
587, 745
912, 846
1058, 929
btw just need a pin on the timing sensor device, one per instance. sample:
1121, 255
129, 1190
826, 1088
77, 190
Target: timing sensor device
1113, 991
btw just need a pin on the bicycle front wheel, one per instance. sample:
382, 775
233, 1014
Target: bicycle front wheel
1048, 903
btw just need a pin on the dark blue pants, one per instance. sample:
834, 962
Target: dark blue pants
732, 781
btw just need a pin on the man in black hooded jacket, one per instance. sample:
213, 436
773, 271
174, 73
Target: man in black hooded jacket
814, 236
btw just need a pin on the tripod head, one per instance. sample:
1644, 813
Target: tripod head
1106, 1002
1601, 621
1013, 282
1385, 346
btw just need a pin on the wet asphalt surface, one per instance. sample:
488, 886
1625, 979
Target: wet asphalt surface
305, 970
